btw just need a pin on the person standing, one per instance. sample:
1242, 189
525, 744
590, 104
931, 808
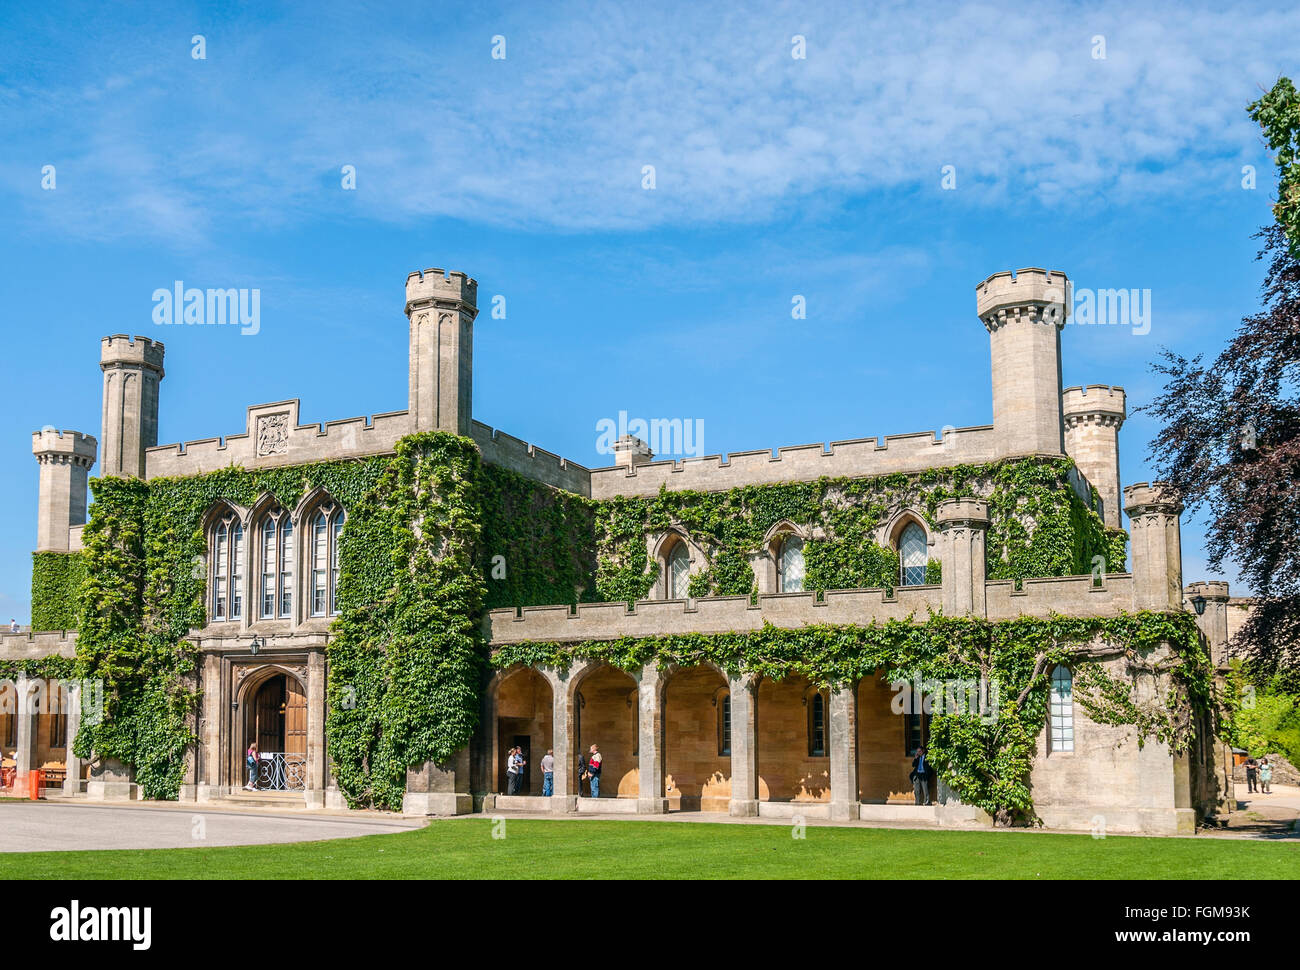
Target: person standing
512, 772
548, 774
250, 759
921, 777
593, 770
582, 773
1265, 776
1251, 768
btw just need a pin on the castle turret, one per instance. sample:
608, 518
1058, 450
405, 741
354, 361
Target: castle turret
1157, 546
133, 372
66, 458
630, 451
1024, 314
441, 308
1213, 616
1093, 416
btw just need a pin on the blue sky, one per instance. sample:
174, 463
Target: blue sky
775, 177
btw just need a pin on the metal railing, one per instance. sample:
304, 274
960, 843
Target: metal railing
277, 771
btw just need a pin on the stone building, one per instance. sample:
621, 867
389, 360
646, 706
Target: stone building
694, 738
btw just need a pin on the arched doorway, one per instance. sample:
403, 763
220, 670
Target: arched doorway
605, 714
523, 720
697, 740
275, 717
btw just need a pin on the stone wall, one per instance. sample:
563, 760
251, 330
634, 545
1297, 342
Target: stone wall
786, 769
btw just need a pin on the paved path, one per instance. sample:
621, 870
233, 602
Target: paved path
46, 827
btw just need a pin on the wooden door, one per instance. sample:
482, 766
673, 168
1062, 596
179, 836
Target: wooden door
295, 718
270, 714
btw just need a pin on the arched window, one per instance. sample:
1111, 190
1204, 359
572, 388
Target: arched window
790, 573
228, 570
817, 726
678, 571
913, 555
1061, 734
275, 561
326, 535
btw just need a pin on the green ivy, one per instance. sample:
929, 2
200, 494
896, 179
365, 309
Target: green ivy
57, 578
987, 761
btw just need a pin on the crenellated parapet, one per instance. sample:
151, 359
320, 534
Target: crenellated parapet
963, 529
133, 374
441, 308
1208, 602
1093, 417
1024, 313
1153, 511
65, 459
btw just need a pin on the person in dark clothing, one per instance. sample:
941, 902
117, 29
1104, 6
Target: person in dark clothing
920, 777
582, 773
1251, 769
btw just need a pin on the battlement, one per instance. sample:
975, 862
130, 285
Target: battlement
519, 456
1094, 399
856, 458
432, 286
958, 510
1029, 286
34, 646
1215, 589
1153, 497
273, 436
65, 445
123, 349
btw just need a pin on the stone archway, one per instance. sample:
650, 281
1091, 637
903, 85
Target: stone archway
793, 719
697, 740
272, 711
605, 712
523, 715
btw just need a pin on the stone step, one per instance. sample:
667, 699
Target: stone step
270, 799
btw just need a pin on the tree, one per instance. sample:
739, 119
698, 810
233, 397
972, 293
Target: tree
1278, 114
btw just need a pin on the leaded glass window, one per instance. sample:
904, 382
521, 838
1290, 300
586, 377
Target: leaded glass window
791, 573
1061, 735
227, 570
913, 555
679, 571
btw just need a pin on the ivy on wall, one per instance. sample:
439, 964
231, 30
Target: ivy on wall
1039, 527
57, 578
986, 759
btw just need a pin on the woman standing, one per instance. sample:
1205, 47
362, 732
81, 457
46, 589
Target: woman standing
1265, 776
251, 761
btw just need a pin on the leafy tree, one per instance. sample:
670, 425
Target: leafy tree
1230, 441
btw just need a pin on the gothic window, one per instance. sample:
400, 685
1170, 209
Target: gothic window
678, 571
817, 726
913, 555
326, 535
276, 559
1061, 735
790, 570
228, 570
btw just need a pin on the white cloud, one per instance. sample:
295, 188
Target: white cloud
555, 136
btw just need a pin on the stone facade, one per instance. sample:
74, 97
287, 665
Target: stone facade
693, 739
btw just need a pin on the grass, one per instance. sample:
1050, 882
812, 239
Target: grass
546, 849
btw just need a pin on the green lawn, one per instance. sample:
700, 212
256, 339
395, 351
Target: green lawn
465, 849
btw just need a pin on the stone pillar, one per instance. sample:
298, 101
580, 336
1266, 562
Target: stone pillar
963, 526
1093, 416
25, 710
441, 308
1156, 545
1214, 621
1024, 315
316, 713
70, 697
110, 781
563, 740
439, 789
133, 373
845, 802
66, 458
208, 784
744, 746
650, 792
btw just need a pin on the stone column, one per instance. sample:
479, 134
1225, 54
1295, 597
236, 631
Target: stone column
316, 712
1157, 546
1213, 622
963, 525
844, 753
744, 747
209, 779
563, 724
650, 792
71, 699
25, 710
